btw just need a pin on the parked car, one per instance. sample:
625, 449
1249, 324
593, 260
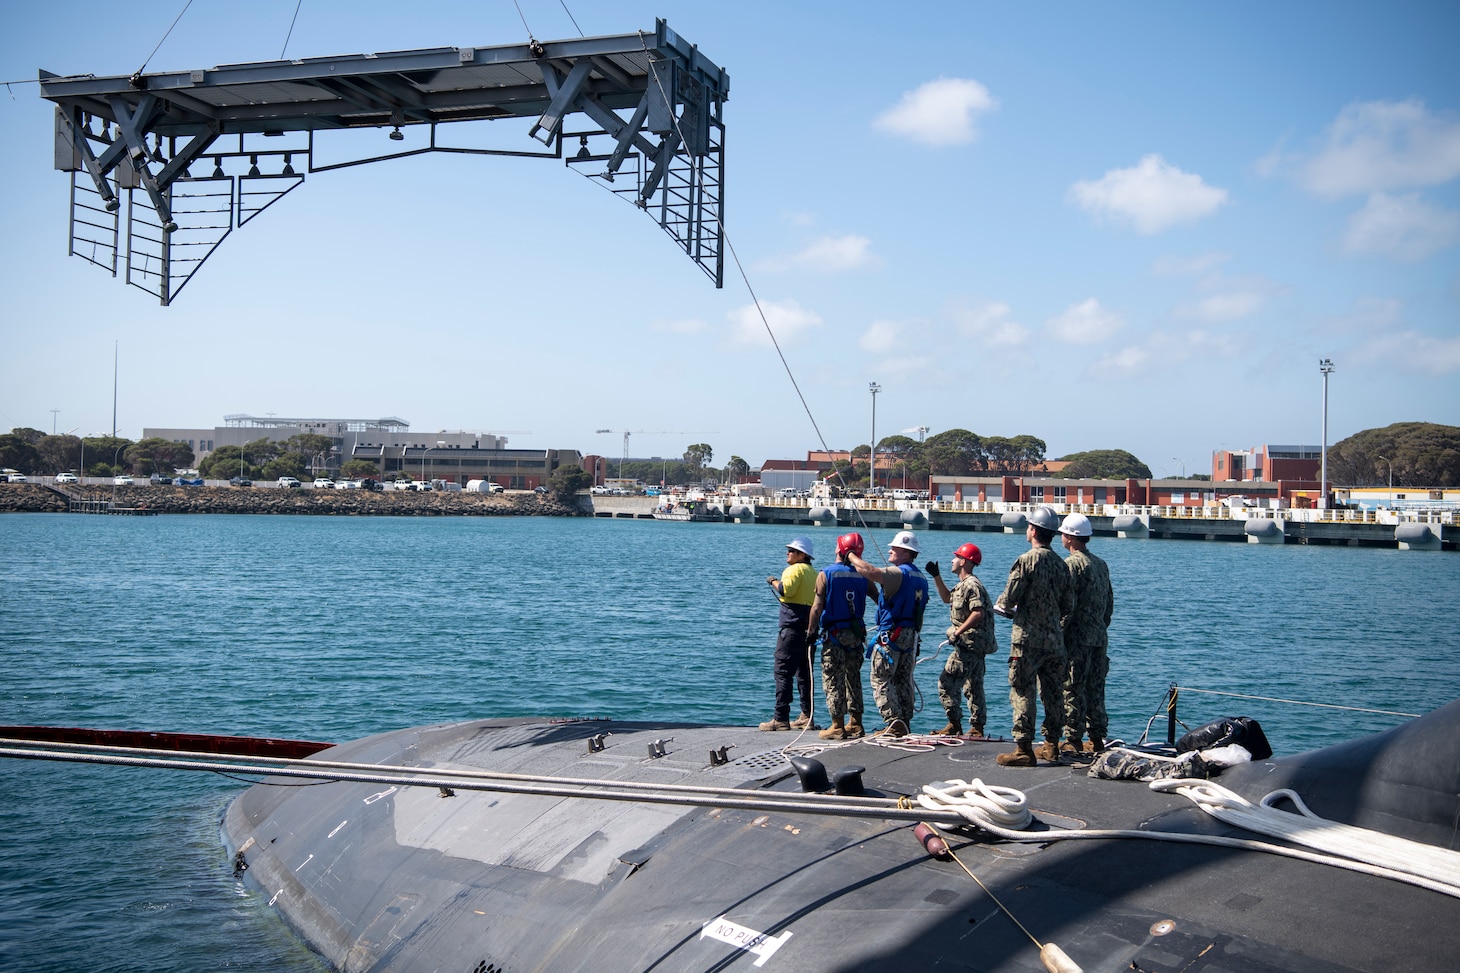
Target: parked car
289, 482
323, 483
122, 479
66, 478
241, 481
15, 478
157, 479
345, 485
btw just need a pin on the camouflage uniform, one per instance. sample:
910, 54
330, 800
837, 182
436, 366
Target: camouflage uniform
892, 677
965, 666
1085, 647
841, 673
1038, 594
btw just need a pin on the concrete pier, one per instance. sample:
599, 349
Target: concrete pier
1350, 528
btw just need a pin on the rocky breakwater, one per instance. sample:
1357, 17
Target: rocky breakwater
272, 500
30, 498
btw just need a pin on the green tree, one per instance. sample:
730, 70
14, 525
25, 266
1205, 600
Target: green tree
105, 455
156, 455
58, 453
566, 481
737, 469
30, 435
285, 464
698, 455
955, 452
1103, 464
17, 454
1421, 453
226, 462
359, 469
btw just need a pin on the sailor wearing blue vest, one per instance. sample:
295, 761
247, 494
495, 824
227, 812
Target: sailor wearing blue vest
841, 601
899, 617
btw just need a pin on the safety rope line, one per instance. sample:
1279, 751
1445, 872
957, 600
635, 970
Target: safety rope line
164, 37
523, 18
765, 322
572, 18
1296, 702
441, 779
988, 891
290, 34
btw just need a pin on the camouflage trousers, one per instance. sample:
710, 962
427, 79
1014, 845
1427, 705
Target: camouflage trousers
963, 673
892, 678
1038, 670
1085, 692
841, 674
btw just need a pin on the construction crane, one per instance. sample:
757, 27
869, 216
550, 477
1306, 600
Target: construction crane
648, 432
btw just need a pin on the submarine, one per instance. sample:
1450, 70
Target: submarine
512, 845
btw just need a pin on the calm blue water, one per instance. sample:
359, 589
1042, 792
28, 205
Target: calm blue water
334, 628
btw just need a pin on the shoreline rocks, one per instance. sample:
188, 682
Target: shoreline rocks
38, 498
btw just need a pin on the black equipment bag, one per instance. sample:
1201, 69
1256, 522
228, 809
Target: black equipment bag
1241, 730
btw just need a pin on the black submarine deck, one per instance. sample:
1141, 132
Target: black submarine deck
377, 877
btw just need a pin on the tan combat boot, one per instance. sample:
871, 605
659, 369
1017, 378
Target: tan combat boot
1023, 756
951, 730
1048, 750
801, 722
837, 730
854, 728
1095, 744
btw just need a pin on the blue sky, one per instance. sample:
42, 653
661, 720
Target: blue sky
1133, 226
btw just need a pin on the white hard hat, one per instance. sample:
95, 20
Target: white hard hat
906, 539
1045, 517
1076, 525
802, 544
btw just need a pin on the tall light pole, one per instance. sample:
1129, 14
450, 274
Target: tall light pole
1391, 479
440, 443
1325, 365
874, 388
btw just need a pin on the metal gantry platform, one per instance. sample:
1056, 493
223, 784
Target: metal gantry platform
165, 166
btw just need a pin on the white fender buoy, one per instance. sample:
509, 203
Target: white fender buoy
1055, 960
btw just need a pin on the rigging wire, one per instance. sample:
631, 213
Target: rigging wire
1296, 702
164, 38
572, 18
523, 18
290, 34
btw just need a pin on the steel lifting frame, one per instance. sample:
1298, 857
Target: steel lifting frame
671, 142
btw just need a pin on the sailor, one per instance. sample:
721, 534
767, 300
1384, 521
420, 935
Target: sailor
900, 605
1085, 642
796, 588
1037, 596
841, 600
970, 637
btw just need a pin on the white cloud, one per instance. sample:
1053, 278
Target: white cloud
1415, 351
1227, 298
881, 337
1379, 145
1125, 363
991, 325
833, 254
1152, 196
1405, 227
787, 319
941, 112
1085, 323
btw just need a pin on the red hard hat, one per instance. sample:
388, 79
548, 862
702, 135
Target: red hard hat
849, 542
970, 553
